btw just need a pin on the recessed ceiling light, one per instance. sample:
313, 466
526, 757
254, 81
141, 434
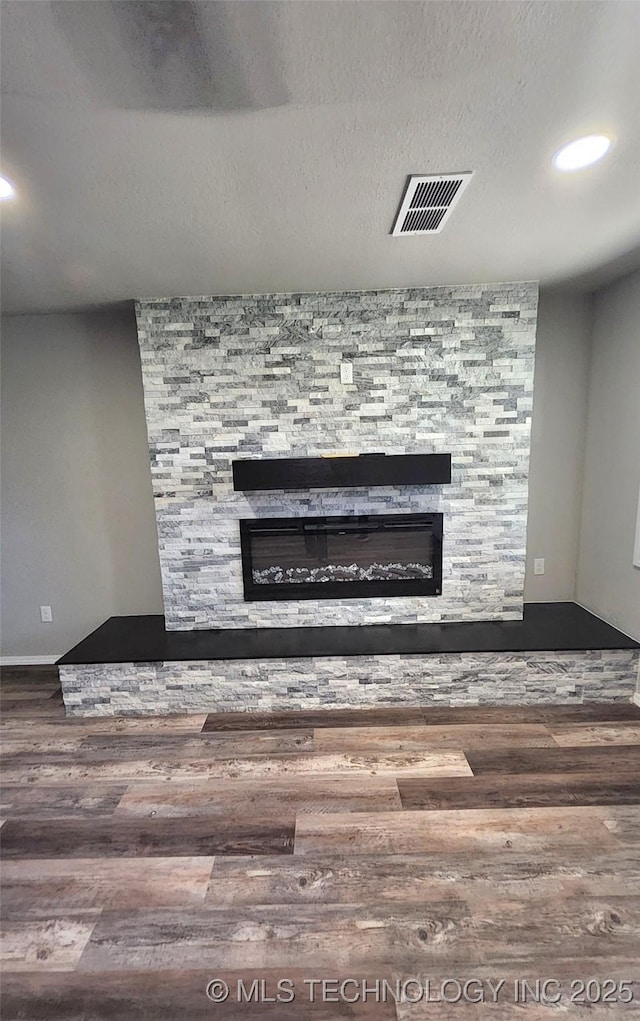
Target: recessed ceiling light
7, 191
582, 152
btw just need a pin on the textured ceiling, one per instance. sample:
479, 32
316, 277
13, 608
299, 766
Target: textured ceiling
164, 148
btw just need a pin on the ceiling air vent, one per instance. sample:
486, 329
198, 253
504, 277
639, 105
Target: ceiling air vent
428, 202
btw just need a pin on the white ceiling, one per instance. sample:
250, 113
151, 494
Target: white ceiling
163, 148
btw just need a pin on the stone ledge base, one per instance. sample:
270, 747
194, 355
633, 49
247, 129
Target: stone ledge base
450, 679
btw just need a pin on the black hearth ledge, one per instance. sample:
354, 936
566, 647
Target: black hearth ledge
545, 627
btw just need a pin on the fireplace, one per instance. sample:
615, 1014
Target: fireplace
357, 557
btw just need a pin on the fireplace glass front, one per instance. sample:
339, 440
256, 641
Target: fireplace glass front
360, 556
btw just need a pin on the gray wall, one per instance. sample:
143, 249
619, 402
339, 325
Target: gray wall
560, 391
78, 528
607, 582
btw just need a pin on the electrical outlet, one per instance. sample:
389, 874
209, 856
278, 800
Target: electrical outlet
45, 615
538, 565
346, 372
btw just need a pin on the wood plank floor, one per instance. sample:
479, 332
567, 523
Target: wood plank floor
143, 858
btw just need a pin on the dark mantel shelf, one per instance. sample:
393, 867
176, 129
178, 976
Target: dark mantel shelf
546, 626
341, 472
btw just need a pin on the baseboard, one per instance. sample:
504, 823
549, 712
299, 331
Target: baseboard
635, 698
29, 660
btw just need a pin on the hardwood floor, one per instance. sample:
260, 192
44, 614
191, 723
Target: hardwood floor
143, 858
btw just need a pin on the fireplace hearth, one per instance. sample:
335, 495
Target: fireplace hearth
361, 556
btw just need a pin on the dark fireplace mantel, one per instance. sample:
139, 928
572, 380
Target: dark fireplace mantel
341, 472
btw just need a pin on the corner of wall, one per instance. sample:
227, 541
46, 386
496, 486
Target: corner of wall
557, 443
607, 583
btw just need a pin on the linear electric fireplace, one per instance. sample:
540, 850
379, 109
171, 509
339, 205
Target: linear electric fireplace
342, 557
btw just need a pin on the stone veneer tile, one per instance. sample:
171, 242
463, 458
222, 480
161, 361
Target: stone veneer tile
435, 369
452, 679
